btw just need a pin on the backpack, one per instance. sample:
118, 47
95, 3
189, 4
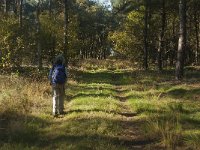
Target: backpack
58, 74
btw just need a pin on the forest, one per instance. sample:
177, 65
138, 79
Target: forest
133, 74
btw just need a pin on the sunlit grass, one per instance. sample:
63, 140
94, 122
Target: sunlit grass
95, 103
192, 139
166, 128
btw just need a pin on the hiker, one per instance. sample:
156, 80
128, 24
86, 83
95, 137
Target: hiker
57, 77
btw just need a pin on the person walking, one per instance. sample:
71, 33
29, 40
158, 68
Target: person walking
57, 77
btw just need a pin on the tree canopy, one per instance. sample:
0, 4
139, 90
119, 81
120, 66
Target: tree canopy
144, 31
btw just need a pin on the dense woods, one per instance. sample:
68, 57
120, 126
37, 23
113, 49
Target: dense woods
151, 33
169, 30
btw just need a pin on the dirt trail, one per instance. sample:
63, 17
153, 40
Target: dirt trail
133, 134
123, 99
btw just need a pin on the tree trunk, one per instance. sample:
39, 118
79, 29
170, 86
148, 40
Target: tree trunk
182, 40
65, 52
39, 48
146, 36
189, 58
197, 38
104, 53
15, 7
20, 13
174, 42
161, 37
50, 8
53, 46
5, 6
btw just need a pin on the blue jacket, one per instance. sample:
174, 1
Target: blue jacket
51, 73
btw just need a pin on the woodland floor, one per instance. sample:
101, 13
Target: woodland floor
104, 109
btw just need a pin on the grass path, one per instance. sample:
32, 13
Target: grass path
129, 132
130, 124
106, 110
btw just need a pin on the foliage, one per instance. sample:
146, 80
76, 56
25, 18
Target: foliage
87, 34
129, 42
9, 48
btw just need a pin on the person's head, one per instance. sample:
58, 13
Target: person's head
59, 60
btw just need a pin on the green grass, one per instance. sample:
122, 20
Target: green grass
108, 108
108, 104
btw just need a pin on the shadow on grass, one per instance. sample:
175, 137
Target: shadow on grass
102, 95
126, 98
185, 94
70, 98
19, 128
192, 121
109, 77
98, 132
103, 77
95, 141
121, 78
28, 134
98, 88
126, 114
193, 72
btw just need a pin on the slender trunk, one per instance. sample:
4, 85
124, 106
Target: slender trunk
20, 13
189, 53
82, 47
104, 53
182, 40
81, 53
50, 8
1, 59
197, 38
92, 48
39, 48
5, 6
65, 52
15, 7
146, 36
161, 37
52, 38
174, 43
53, 43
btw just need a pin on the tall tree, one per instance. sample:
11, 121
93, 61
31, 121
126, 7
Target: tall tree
5, 6
161, 37
20, 13
182, 40
66, 17
39, 48
50, 8
146, 35
196, 34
